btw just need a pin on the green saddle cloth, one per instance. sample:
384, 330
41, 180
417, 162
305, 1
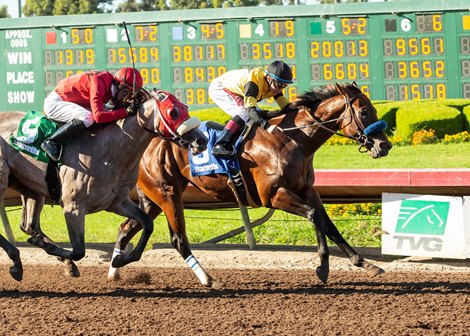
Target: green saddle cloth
32, 131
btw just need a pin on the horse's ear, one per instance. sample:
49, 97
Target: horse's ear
355, 84
339, 88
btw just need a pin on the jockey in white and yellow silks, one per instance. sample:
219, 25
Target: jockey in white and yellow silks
238, 92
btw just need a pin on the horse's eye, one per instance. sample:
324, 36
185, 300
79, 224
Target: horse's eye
173, 112
363, 113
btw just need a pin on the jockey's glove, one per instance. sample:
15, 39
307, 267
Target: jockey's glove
132, 108
255, 117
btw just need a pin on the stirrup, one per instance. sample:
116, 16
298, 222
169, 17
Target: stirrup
52, 149
219, 150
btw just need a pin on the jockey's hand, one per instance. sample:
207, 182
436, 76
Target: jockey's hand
132, 108
254, 116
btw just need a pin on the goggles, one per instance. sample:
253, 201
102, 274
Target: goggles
279, 85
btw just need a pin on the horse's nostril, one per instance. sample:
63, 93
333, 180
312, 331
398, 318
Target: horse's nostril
385, 145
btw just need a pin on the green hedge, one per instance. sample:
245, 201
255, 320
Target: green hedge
425, 115
466, 116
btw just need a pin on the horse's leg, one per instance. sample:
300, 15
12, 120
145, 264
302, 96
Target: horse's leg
173, 208
129, 228
131, 210
16, 270
30, 224
315, 212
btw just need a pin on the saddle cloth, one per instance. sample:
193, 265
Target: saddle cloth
32, 131
205, 163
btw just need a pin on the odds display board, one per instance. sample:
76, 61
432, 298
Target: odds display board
393, 51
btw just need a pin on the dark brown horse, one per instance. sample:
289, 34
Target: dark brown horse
277, 166
99, 169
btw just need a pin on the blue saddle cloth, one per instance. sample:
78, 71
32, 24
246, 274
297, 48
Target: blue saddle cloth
207, 164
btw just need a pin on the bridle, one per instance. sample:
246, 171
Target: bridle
158, 117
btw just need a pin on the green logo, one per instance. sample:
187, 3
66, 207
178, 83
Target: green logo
422, 217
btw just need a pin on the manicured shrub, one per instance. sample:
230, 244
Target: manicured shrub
466, 116
387, 112
416, 116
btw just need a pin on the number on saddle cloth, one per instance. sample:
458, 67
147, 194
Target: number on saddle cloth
33, 129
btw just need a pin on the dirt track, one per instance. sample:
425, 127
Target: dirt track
425, 298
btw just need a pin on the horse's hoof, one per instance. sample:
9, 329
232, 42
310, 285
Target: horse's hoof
17, 272
118, 261
322, 273
71, 270
372, 270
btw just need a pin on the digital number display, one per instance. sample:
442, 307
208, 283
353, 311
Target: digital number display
146, 33
394, 51
281, 28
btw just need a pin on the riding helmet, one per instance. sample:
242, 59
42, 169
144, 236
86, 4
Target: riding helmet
280, 72
127, 76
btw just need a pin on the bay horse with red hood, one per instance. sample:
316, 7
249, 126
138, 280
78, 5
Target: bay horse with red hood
276, 165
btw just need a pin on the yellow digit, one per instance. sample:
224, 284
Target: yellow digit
439, 45
363, 48
88, 35
75, 36
326, 47
155, 73
339, 48
199, 74
352, 71
153, 33
339, 70
400, 44
219, 28
90, 56
427, 69
221, 70
364, 70
327, 71
290, 50
414, 69
441, 91
440, 69
361, 26
415, 92
145, 74
267, 52
200, 96
255, 51
290, 31
139, 33
143, 55
220, 51
188, 75
413, 46
437, 23
176, 54
314, 48
69, 73
425, 46
346, 26
122, 55
154, 54
402, 72
210, 73
132, 55
187, 53
189, 96
205, 31
68, 57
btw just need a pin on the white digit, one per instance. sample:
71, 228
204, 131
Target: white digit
330, 27
191, 33
405, 25
63, 35
259, 30
123, 35
30, 131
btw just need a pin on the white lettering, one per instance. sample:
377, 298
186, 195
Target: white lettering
22, 77
23, 57
21, 33
20, 97
19, 43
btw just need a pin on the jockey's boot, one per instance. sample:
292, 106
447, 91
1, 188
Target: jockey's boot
224, 144
53, 145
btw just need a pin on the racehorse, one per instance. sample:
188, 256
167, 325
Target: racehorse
16, 271
277, 166
98, 170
